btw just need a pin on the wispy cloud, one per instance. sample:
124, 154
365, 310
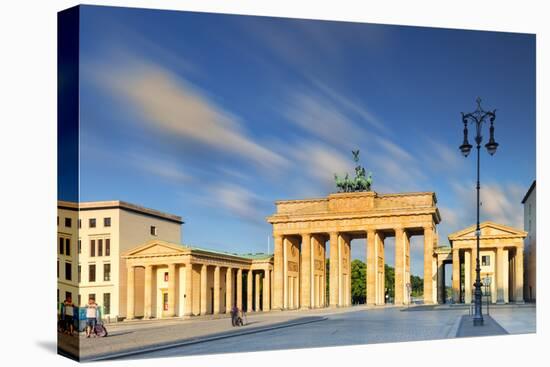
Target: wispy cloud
238, 201
500, 203
171, 105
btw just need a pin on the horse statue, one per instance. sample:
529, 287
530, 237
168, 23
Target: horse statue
361, 182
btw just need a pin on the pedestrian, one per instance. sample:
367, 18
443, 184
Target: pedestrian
68, 315
234, 315
91, 317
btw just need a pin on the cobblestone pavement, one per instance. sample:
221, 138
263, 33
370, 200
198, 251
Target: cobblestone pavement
133, 335
349, 328
332, 327
519, 320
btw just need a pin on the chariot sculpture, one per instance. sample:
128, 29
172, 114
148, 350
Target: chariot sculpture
361, 182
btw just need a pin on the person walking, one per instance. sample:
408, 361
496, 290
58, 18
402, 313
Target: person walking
92, 309
68, 315
234, 315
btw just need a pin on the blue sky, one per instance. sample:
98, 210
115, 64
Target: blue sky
214, 117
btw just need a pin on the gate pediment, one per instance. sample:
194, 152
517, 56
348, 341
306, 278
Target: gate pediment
488, 229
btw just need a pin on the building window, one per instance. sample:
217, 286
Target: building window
165, 276
91, 273
79, 300
61, 247
58, 226
92, 248
68, 295
79, 246
68, 247
107, 222
91, 296
165, 301
68, 222
106, 272
58, 268
79, 275
106, 303
485, 260
99, 247
91, 222
107, 247
153, 231
58, 295
68, 271
80, 225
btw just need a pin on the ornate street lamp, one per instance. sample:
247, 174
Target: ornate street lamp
477, 118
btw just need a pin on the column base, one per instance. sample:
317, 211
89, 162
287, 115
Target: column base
519, 302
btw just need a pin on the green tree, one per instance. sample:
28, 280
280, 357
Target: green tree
358, 281
389, 278
417, 285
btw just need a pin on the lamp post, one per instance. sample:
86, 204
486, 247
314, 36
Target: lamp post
477, 118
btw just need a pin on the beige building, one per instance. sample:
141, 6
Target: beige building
91, 238
302, 228
131, 260
501, 262
177, 280
530, 225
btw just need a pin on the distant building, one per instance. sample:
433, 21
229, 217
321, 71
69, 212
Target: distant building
530, 225
501, 262
91, 236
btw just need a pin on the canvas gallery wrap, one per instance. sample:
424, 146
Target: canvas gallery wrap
232, 183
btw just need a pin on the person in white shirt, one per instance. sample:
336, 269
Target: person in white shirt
69, 315
91, 317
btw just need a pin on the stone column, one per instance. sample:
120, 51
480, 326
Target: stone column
456, 276
130, 284
428, 255
506, 275
171, 290
278, 273
296, 296
371, 267
440, 282
257, 293
147, 299
266, 291
286, 281
518, 277
400, 288
204, 289
228, 290
499, 264
240, 289
305, 271
348, 285
216, 290
334, 271
380, 268
249, 291
188, 289
468, 276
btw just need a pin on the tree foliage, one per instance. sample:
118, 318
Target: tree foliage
359, 282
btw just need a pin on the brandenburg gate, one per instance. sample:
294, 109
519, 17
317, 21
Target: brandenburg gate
301, 229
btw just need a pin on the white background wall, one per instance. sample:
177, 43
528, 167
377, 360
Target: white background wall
28, 151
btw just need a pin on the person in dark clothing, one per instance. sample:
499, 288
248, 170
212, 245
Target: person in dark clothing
234, 316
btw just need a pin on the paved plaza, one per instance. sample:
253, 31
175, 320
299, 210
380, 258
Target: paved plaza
297, 329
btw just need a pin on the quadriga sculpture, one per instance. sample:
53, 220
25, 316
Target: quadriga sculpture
361, 182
